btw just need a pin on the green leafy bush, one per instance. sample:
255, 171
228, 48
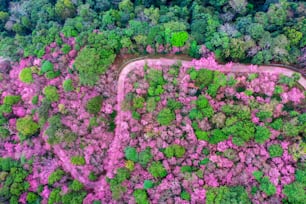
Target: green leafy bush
265, 184
131, 154
165, 117
55, 176
141, 196
185, 195
295, 192
224, 194
35, 100
145, 157
94, 105
138, 102
178, 39
157, 170
275, 150
55, 196
262, 134
92, 62
78, 160
202, 135
4, 133
25, 75
52, 74
32, 197
92, 176
26, 127
11, 100
115, 183
277, 124
51, 93
76, 185
267, 187
174, 105
147, 184
204, 78
46, 67
217, 136
151, 104
174, 151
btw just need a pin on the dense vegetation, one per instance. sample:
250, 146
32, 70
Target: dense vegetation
236, 30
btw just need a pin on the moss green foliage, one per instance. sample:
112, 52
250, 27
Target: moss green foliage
35, 100
204, 161
156, 81
219, 80
78, 160
11, 100
141, 196
178, 39
32, 197
174, 105
265, 184
25, 75
26, 127
76, 185
52, 74
46, 67
131, 154
150, 104
241, 131
290, 81
217, 136
224, 194
291, 130
91, 63
263, 115
138, 102
66, 49
13, 180
187, 169
202, 135
262, 134
147, 184
165, 117
157, 170
145, 157
174, 151
55, 176
275, 150
295, 192
277, 124
51, 93
54, 196
67, 85
204, 77
185, 195
203, 109
55, 125
4, 133
92, 176
115, 183
94, 105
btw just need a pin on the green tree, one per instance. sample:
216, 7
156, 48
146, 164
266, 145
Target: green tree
91, 63
178, 39
65, 9
26, 127
165, 117
25, 75
94, 105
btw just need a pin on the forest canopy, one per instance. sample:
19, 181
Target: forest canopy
258, 32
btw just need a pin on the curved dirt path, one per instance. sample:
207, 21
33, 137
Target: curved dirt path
115, 150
